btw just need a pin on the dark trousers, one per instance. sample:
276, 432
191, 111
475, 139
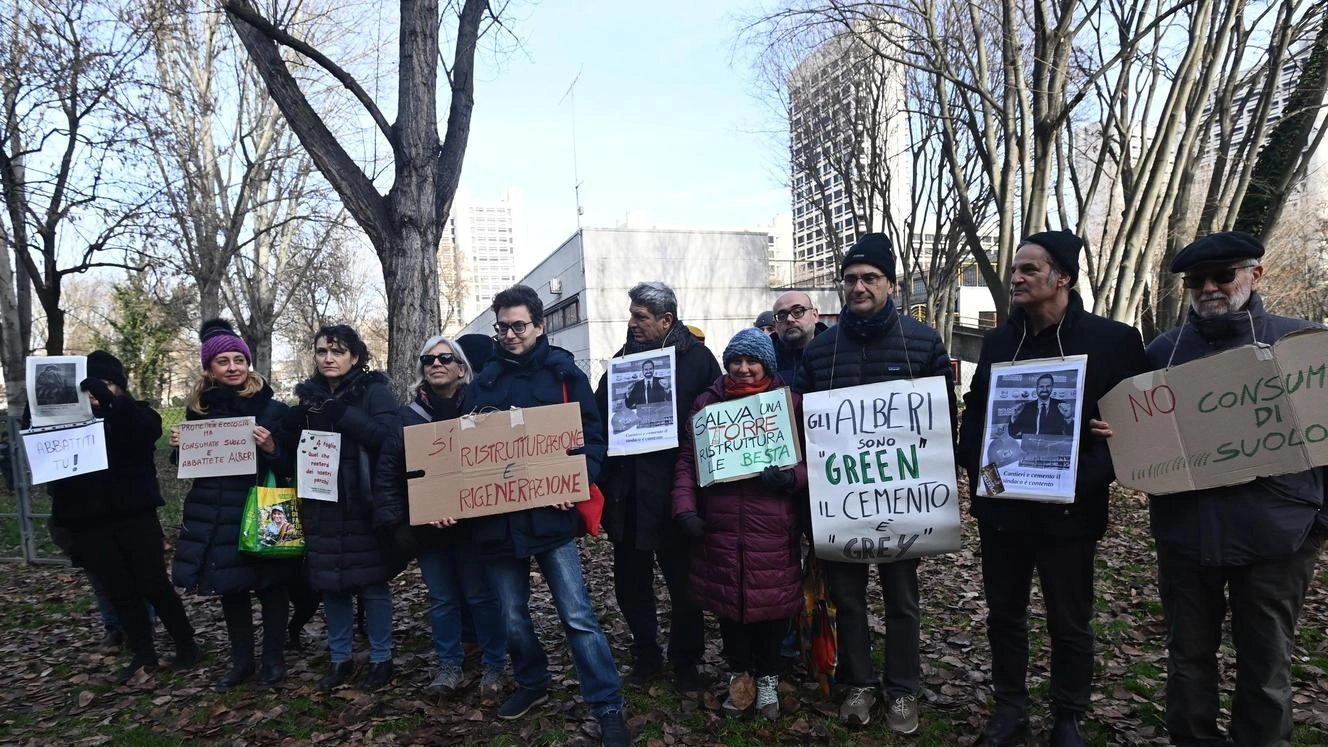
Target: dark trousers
127, 557
1265, 600
847, 584
634, 585
237, 609
1065, 572
753, 647
304, 604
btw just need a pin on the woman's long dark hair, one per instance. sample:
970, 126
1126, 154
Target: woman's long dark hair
346, 336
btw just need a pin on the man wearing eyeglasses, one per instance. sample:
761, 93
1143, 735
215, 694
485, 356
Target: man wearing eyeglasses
1057, 542
873, 342
1254, 544
638, 497
526, 371
796, 322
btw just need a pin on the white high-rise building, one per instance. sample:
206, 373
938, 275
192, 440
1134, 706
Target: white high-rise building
477, 255
848, 149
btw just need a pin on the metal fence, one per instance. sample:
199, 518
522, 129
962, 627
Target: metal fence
24, 510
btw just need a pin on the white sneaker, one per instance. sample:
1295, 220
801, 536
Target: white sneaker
767, 696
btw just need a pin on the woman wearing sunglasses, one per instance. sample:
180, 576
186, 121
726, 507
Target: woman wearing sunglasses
452, 571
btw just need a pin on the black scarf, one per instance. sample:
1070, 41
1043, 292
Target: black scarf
678, 336
438, 406
870, 328
223, 401
1234, 324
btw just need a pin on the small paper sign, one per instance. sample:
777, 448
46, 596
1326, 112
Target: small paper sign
740, 437
318, 459
217, 447
56, 453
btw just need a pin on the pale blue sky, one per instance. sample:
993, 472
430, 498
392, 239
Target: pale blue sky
666, 120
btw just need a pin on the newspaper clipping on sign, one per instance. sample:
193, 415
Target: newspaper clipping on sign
53, 394
881, 471
1030, 445
642, 407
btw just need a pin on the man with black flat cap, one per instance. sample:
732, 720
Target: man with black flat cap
1058, 541
1254, 543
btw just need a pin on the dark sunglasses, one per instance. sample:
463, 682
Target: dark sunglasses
1197, 280
442, 358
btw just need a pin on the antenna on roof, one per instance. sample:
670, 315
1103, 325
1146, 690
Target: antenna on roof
576, 177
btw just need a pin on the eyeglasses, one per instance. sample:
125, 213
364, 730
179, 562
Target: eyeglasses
870, 278
796, 312
1197, 280
442, 358
502, 328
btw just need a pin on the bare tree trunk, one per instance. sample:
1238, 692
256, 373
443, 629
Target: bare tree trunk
12, 348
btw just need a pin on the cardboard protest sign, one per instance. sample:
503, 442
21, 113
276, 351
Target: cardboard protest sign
1226, 419
642, 403
53, 394
496, 462
59, 452
740, 437
217, 446
317, 463
1030, 441
880, 467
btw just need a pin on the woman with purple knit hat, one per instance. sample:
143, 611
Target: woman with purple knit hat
207, 559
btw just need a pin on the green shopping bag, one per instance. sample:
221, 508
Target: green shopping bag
271, 522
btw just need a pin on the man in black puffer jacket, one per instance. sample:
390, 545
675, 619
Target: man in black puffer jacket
1256, 542
638, 499
874, 342
1058, 540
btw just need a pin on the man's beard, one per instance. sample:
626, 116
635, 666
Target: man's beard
1235, 301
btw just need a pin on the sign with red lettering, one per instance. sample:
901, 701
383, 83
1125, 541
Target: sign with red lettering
1254, 411
738, 438
317, 464
217, 447
494, 463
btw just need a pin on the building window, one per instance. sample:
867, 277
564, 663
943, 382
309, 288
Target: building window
565, 314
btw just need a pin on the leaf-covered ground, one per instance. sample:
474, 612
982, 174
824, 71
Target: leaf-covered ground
53, 689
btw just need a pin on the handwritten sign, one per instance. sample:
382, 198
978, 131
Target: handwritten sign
1225, 419
57, 453
740, 437
494, 463
317, 462
880, 468
215, 447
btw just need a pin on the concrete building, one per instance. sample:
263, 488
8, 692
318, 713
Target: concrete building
721, 277
477, 254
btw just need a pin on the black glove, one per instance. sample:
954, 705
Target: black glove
691, 524
98, 389
332, 408
404, 538
778, 479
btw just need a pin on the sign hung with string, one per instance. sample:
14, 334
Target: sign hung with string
1030, 442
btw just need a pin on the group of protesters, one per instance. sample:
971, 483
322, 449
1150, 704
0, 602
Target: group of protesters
733, 549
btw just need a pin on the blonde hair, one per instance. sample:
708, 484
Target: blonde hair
253, 384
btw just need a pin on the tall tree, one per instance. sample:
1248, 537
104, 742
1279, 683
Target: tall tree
405, 224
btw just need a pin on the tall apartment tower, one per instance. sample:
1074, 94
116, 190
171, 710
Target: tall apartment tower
477, 255
848, 152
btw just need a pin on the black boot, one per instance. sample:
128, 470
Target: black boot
1065, 731
380, 673
272, 672
140, 661
276, 610
336, 676
240, 629
187, 656
1006, 728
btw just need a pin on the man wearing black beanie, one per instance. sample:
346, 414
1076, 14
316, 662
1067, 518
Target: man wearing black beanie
873, 342
1059, 541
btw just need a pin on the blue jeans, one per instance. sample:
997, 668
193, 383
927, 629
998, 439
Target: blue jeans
459, 586
595, 667
339, 611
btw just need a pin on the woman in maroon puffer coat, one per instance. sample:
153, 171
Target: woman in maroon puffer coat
745, 564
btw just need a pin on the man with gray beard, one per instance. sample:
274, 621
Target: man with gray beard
1254, 543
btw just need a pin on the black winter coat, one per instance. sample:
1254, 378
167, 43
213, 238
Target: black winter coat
1265, 519
638, 505
347, 544
788, 360
207, 558
531, 380
393, 504
128, 487
1115, 351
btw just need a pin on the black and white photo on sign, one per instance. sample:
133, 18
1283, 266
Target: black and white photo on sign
53, 394
1030, 447
642, 404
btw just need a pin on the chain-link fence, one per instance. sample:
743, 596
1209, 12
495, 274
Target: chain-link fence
24, 508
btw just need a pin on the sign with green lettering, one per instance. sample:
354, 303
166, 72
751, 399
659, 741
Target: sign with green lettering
881, 471
1255, 411
740, 437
